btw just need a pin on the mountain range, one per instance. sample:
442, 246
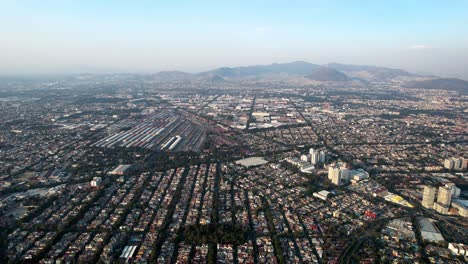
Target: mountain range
328, 72
325, 74
305, 72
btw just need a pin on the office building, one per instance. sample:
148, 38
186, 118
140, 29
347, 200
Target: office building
449, 163
456, 164
344, 174
336, 176
428, 196
445, 195
443, 200
316, 156
322, 156
338, 173
464, 165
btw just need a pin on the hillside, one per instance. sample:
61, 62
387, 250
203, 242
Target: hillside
293, 68
448, 84
371, 73
293, 71
326, 74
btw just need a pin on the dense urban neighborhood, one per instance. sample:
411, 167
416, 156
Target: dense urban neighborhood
130, 169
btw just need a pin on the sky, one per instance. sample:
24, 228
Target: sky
69, 36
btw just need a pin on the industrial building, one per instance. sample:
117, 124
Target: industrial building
429, 231
120, 170
162, 131
252, 162
321, 195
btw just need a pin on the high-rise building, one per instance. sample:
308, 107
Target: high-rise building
457, 164
338, 173
312, 151
445, 195
449, 163
331, 171
464, 165
428, 196
322, 156
440, 208
443, 200
344, 174
316, 156
336, 176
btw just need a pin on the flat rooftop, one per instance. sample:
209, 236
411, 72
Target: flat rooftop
428, 230
461, 202
252, 161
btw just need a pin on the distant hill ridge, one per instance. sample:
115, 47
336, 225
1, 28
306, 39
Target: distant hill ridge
297, 67
449, 84
327, 74
303, 71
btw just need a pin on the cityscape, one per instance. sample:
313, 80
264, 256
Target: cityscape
240, 132
132, 171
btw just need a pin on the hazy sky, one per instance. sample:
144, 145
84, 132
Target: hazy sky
42, 36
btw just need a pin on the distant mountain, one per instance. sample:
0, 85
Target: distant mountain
302, 68
223, 71
295, 72
371, 73
216, 79
165, 76
293, 68
326, 74
448, 84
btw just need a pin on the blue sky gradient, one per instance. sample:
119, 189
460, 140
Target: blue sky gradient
63, 36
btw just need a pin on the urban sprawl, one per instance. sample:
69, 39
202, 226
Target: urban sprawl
114, 169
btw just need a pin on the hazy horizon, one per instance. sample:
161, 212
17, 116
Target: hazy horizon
66, 37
